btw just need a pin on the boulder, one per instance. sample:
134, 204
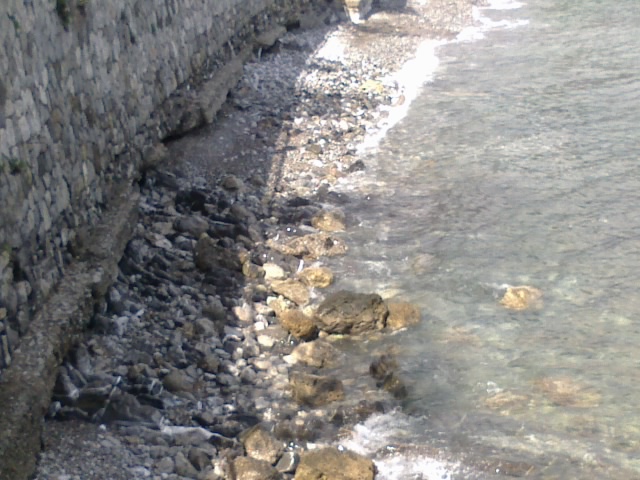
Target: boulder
331, 463
329, 221
292, 290
310, 247
298, 324
247, 468
210, 256
318, 277
315, 390
402, 315
348, 312
261, 445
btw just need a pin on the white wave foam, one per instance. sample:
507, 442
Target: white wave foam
410, 79
378, 434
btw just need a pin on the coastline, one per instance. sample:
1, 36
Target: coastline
299, 121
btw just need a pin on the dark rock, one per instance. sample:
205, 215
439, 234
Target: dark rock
384, 370
349, 312
193, 200
210, 256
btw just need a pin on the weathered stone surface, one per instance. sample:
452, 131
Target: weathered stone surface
273, 271
318, 277
260, 444
349, 312
247, 468
298, 324
315, 390
331, 463
402, 315
521, 298
312, 246
292, 290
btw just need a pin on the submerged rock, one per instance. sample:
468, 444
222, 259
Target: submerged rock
349, 312
402, 315
331, 463
315, 390
312, 246
521, 298
384, 370
566, 392
318, 354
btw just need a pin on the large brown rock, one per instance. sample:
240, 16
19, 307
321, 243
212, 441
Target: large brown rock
349, 312
210, 256
298, 324
332, 464
315, 390
311, 246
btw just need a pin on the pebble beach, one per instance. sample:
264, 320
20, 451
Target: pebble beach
214, 356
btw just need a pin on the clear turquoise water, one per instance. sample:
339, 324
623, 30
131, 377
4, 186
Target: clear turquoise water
517, 165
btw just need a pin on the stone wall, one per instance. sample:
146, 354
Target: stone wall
88, 89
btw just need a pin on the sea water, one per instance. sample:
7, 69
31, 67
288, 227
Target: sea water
516, 164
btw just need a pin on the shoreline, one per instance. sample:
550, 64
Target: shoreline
297, 141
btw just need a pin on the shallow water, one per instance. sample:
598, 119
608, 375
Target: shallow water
516, 165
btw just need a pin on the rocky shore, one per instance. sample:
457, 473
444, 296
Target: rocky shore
215, 353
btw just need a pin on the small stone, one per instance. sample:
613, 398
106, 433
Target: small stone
206, 327
210, 363
232, 183
194, 225
199, 458
319, 354
184, 467
260, 444
177, 381
165, 465
298, 324
288, 462
292, 290
273, 271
